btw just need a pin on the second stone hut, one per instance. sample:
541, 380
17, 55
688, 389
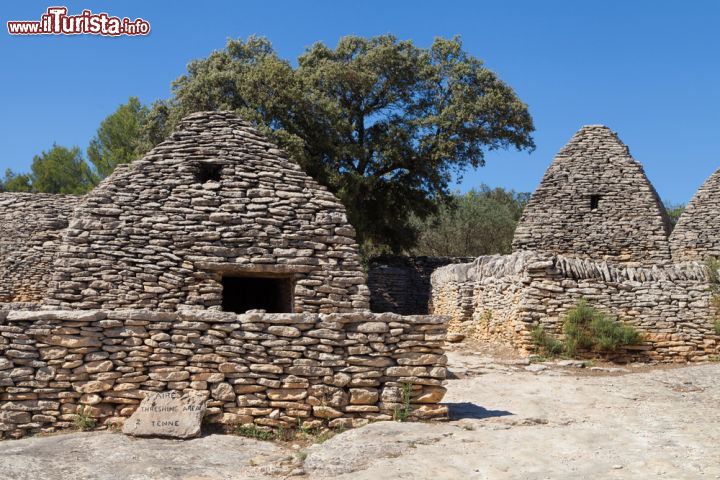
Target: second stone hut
595, 202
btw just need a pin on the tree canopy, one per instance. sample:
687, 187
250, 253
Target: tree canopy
119, 138
480, 222
384, 124
59, 170
14, 182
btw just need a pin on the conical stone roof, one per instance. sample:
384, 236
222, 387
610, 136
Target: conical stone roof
595, 201
215, 199
697, 234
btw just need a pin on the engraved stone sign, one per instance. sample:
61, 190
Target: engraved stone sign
168, 414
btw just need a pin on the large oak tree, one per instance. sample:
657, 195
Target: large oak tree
383, 123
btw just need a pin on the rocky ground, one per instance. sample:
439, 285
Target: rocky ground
511, 420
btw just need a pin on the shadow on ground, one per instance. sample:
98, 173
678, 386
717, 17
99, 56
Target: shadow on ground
461, 410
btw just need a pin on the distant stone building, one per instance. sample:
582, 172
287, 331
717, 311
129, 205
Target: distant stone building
30, 229
697, 234
214, 217
596, 202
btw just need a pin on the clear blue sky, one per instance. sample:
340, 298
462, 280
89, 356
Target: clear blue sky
650, 70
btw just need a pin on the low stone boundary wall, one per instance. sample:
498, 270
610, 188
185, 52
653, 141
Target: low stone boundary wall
503, 297
268, 369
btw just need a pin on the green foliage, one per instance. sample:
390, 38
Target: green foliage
576, 327
14, 182
59, 170
62, 170
120, 138
82, 419
586, 328
545, 343
674, 210
402, 413
480, 222
609, 335
384, 124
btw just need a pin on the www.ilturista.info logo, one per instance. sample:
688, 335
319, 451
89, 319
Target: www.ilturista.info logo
56, 21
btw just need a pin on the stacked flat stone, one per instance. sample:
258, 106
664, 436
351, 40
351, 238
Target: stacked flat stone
502, 298
401, 284
697, 233
271, 370
629, 224
215, 198
30, 229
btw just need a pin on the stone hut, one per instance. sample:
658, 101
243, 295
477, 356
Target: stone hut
596, 202
214, 217
697, 234
595, 230
30, 228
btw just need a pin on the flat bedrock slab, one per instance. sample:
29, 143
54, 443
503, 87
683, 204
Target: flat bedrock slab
108, 456
168, 414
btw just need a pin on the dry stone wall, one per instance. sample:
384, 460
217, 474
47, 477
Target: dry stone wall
401, 284
596, 202
502, 298
30, 230
265, 369
216, 199
697, 233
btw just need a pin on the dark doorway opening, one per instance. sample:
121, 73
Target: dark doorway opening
274, 295
208, 172
594, 202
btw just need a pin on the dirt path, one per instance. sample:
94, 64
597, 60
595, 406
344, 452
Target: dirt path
509, 423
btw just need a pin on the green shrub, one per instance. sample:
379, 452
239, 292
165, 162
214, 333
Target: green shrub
577, 327
546, 344
609, 335
588, 328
